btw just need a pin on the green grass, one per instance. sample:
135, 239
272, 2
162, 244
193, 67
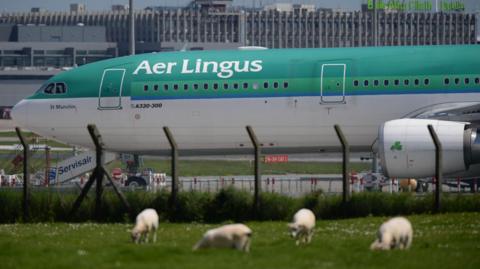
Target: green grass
228, 168
440, 241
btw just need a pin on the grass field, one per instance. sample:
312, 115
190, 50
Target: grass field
440, 241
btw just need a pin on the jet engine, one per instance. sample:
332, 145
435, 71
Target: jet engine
406, 148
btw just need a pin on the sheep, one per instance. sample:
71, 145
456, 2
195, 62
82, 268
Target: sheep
302, 226
146, 223
395, 233
237, 236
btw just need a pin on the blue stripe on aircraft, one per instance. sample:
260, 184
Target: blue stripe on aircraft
238, 94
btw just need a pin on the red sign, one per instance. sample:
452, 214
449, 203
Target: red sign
276, 159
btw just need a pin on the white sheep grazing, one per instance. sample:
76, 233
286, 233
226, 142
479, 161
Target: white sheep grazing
302, 226
236, 236
395, 233
146, 223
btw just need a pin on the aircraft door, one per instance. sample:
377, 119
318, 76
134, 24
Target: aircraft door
332, 82
110, 91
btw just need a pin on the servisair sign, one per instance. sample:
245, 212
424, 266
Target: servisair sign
222, 69
77, 165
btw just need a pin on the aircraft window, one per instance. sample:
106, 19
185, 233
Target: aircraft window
355, 83
215, 86
446, 81
397, 82
235, 86
145, 87
426, 81
285, 84
477, 80
457, 80
467, 81
275, 85
205, 86
165, 87
265, 85
406, 82
417, 81
225, 86
175, 86
385, 82
375, 82
49, 89
365, 83
245, 85
185, 87
255, 85
155, 87
60, 88
195, 86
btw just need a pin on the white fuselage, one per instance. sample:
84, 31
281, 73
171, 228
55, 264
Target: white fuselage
212, 125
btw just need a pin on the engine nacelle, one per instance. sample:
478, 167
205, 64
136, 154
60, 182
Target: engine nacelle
406, 148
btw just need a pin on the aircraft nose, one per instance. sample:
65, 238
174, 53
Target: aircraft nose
19, 114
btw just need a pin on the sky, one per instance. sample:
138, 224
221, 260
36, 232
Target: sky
63, 5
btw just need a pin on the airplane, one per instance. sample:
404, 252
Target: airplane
383, 98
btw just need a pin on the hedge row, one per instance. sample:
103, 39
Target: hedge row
226, 205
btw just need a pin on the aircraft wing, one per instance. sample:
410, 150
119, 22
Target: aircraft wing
456, 111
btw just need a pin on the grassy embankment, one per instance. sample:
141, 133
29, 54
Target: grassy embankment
440, 241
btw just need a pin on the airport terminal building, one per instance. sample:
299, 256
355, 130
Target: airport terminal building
209, 24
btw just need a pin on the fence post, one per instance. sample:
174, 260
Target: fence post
26, 176
97, 175
174, 166
438, 166
258, 177
345, 160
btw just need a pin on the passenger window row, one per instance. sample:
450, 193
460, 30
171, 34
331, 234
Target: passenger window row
217, 86
395, 82
415, 82
466, 81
